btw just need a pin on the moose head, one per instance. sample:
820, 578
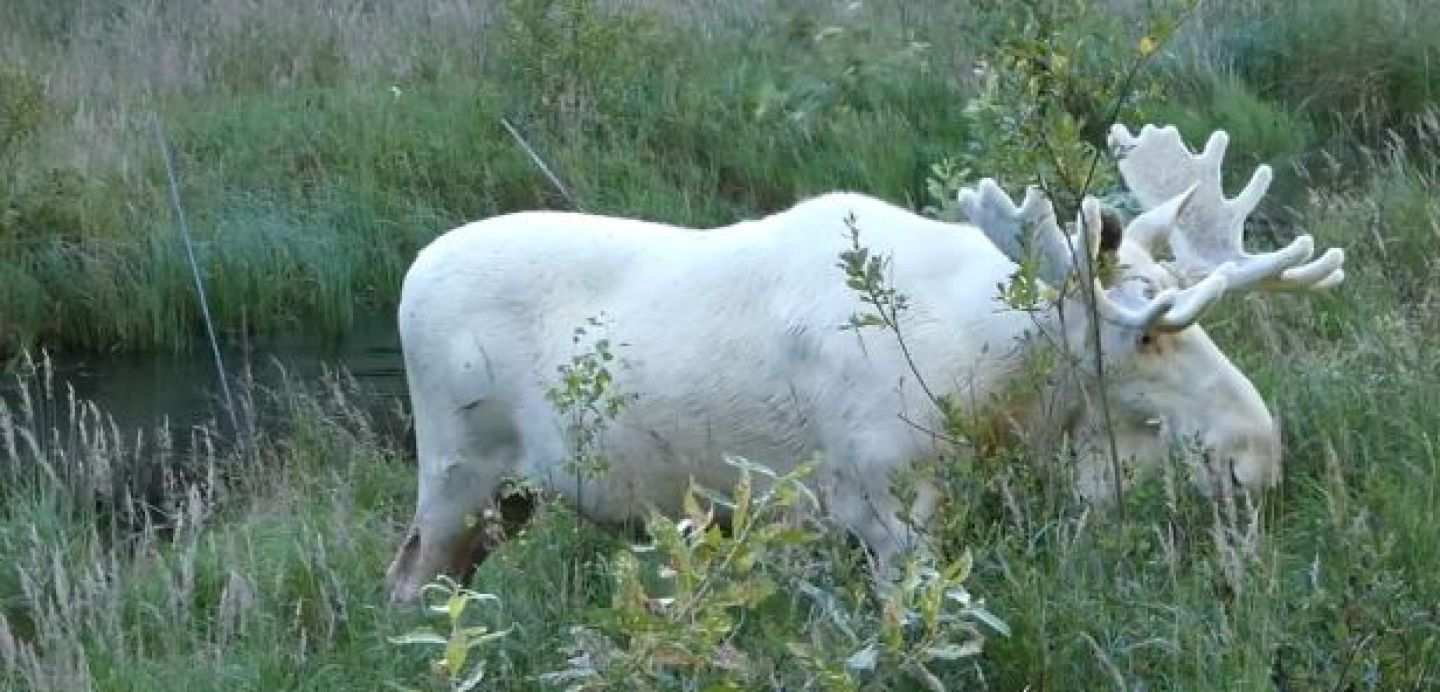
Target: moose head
1146, 379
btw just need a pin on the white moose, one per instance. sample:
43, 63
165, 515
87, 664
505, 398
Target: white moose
730, 339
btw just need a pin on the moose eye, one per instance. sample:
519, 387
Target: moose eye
1146, 340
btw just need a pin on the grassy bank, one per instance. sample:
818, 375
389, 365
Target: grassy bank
321, 147
262, 569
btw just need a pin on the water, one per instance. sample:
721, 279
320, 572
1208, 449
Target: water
144, 390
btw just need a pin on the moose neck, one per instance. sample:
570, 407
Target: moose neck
1033, 392
1051, 380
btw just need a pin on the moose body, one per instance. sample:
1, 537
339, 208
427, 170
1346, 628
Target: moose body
730, 339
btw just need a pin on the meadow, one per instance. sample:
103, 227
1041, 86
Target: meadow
320, 146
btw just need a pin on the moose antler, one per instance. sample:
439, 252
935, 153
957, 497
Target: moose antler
1019, 232
1032, 225
1209, 232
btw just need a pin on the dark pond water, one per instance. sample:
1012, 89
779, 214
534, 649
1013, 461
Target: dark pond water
144, 390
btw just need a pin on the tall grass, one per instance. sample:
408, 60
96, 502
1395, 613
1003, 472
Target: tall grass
322, 146
263, 570
1331, 586
367, 133
138, 562
1356, 66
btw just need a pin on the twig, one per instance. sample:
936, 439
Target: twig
184, 229
554, 180
1088, 291
1125, 85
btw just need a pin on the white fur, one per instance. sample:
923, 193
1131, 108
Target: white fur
730, 338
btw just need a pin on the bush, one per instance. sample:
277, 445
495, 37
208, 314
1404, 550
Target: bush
763, 604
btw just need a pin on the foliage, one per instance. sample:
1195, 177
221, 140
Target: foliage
457, 644
1261, 130
587, 396
1051, 89
1367, 67
22, 109
866, 275
561, 55
36, 202
160, 559
719, 581
681, 620
844, 68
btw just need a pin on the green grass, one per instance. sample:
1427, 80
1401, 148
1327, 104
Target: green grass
320, 151
310, 192
198, 595
298, 130
270, 576
1365, 66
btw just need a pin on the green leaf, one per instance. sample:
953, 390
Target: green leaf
472, 679
455, 606
456, 651
991, 620
959, 571
742, 501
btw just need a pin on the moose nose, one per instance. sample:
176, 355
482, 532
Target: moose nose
1253, 457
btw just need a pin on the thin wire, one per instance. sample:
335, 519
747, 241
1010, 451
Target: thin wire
554, 180
184, 229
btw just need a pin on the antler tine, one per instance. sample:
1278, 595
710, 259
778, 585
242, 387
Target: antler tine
1171, 309
1020, 230
1193, 300
1157, 166
1033, 222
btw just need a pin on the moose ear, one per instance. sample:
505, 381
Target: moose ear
1097, 236
1112, 229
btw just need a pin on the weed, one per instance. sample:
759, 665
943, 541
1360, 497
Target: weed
461, 640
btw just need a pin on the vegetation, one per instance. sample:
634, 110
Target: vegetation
321, 147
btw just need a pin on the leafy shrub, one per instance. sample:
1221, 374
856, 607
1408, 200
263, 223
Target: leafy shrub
586, 395
706, 608
575, 62
838, 69
455, 665
1048, 92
